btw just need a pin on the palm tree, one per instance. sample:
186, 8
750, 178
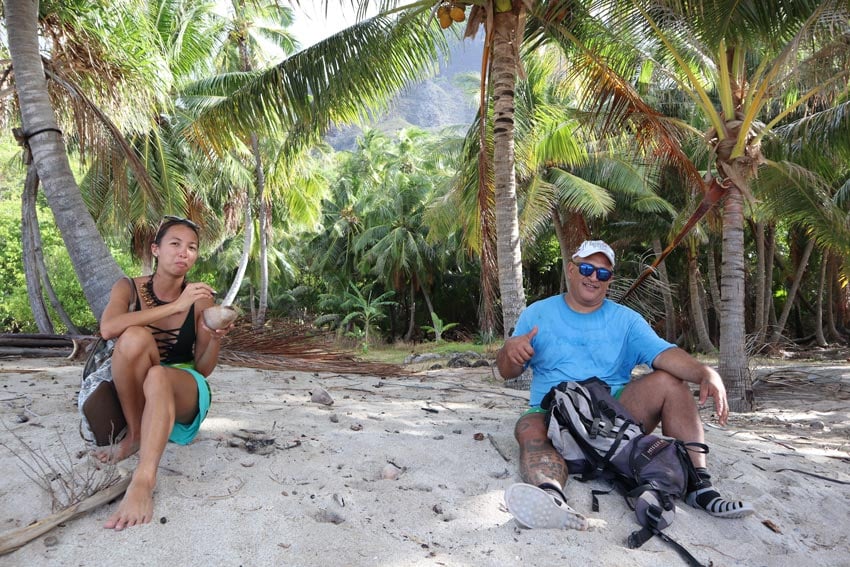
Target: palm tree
93, 264
504, 26
744, 67
395, 246
94, 66
248, 27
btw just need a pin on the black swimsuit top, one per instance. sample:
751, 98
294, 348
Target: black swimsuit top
175, 345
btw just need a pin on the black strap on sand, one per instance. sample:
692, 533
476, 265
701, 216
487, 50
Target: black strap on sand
641, 536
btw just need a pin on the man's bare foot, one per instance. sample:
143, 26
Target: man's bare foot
119, 452
136, 507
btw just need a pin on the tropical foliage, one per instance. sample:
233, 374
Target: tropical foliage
609, 119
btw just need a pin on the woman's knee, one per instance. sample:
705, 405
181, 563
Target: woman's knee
134, 342
157, 385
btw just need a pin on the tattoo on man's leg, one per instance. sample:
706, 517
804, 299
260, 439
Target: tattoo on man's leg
540, 462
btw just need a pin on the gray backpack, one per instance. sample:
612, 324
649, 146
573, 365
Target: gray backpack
599, 438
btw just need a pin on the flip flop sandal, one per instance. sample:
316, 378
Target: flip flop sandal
533, 507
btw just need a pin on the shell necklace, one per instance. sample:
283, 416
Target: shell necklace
148, 294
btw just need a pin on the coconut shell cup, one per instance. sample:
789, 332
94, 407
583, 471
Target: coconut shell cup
219, 316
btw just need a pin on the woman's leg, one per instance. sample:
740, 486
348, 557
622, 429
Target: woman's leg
169, 394
135, 353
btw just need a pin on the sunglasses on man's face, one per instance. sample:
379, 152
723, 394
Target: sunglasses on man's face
602, 274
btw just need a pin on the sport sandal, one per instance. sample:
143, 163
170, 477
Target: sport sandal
533, 507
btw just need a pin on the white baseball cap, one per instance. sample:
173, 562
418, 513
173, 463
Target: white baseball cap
591, 247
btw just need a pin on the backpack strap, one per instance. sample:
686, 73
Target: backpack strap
134, 296
685, 458
602, 464
641, 536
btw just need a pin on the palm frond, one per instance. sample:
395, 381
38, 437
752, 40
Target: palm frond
800, 196
339, 80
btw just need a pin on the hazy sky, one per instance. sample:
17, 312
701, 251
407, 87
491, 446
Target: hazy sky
312, 24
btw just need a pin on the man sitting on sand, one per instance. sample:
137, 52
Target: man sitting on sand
581, 334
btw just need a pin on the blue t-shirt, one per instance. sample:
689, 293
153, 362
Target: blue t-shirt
570, 346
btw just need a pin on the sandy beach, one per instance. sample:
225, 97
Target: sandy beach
411, 470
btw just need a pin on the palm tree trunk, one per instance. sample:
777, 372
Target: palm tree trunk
713, 286
669, 308
561, 234
792, 293
821, 338
29, 224
259, 318
411, 321
770, 252
508, 250
90, 257
243, 261
830, 303
733, 365
697, 311
758, 281
265, 227
43, 273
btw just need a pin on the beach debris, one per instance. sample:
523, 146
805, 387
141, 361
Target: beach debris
431, 410
498, 449
339, 500
771, 526
321, 396
51, 541
288, 346
356, 427
328, 517
10, 541
334, 418
478, 437
163, 520
254, 441
391, 471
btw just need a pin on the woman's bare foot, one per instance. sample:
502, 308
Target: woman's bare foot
119, 452
136, 507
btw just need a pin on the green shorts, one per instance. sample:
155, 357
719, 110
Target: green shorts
184, 433
616, 392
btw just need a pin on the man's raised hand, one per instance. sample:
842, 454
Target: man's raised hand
518, 349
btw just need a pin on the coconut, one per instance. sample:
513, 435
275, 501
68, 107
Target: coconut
219, 316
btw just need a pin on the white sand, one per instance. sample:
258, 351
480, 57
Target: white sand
218, 503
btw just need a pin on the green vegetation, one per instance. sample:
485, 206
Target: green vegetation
621, 121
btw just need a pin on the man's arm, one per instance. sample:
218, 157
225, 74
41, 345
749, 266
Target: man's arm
685, 367
513, 355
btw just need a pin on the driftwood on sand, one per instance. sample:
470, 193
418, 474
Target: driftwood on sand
10, 541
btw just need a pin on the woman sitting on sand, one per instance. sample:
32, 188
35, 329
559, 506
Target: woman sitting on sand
163, 353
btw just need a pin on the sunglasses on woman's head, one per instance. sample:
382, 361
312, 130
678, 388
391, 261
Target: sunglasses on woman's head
602, 274
174, 219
